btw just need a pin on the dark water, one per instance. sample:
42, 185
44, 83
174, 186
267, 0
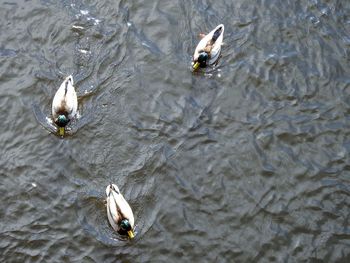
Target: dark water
246, 163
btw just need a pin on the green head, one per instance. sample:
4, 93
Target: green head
125, 226
202, 59
62, 120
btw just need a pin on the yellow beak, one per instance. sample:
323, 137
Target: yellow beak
61, 131
131, 234
196, 66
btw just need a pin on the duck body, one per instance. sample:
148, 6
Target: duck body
119, 213
64, 104
208, 49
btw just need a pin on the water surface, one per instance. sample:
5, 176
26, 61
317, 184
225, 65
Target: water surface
248, 162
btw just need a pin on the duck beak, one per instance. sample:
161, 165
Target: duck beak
61, 131
196, 65
131, 234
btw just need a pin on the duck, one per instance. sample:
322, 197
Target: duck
208, 49
119, 213
64, 104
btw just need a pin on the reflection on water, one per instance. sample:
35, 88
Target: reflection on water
246, 161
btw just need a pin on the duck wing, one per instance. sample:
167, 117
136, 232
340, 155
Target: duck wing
112, 212
123, 207
217, 36
201, 46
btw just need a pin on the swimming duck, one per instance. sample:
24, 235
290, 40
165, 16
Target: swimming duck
119, 212
208, 49
64, 104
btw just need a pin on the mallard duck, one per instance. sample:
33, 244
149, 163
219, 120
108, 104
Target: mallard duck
119, 212
208, 49
64, 104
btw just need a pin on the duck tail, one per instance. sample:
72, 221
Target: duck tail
216, 34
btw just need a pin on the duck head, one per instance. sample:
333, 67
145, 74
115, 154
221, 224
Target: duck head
201, 61
61, 122
125, 226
